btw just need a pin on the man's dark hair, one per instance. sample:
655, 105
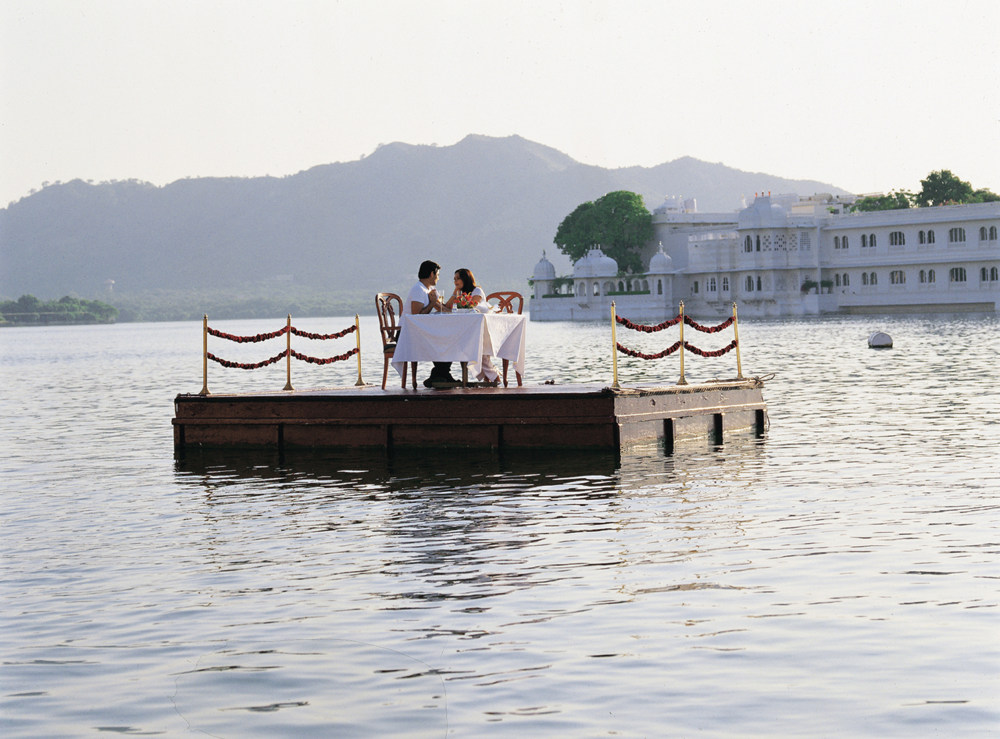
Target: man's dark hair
427, 268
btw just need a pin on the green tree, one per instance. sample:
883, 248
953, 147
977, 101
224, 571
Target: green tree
617, 222
943, 188
984, 195
893, 201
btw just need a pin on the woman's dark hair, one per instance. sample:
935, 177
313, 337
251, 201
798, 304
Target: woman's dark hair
468, 281
427, 268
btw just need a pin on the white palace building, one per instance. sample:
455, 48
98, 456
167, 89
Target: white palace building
789, 256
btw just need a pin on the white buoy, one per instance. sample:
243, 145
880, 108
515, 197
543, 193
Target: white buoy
880, 340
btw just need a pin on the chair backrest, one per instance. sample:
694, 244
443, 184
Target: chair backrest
389, 307
506, 300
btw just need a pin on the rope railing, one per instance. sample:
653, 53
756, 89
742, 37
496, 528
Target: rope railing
287, 353
679, 346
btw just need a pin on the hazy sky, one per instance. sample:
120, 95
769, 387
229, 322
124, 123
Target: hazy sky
868, 95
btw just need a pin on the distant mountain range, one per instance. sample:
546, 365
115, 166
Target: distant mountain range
490, 204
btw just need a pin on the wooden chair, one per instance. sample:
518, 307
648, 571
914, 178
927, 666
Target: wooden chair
389, 306
506, 301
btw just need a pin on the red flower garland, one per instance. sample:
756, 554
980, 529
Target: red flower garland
708, 329
241, 365
247, 339
640, 355
647, 329
329, 360
718, 353
322, 337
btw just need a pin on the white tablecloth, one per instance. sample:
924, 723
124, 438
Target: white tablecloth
460, 337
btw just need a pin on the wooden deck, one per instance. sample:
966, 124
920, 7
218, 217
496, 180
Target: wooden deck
536, 416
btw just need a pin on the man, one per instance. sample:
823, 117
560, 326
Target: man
423, 298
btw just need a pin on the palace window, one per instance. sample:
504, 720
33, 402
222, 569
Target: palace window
984, 275
956, 235
847, 280
956, 274
873, 279
921, 238
843, 243
711, 284
758, 242
758, 284
897, 277
836, 242
749, 284
694, 287
897, 238
982, 233
993, 274
864, 240
993, 233
725, 284
930, 276
864, 278
923, 276
748, 243
837, 280
871, 240
930, 237
659, 287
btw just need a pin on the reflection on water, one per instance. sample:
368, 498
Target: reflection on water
835, 577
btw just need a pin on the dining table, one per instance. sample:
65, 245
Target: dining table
460, 336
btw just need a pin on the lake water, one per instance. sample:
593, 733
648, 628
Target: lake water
839, 576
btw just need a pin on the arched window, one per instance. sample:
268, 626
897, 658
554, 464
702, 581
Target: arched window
837, 280
725, 284
956, 274
982, 233
921, 238
758, 242
836, 242
897, 277
897, 238
597, 289
843, 243
930, 237
864, 240
923, 275
621, 286
847, 280
984, 275
758, 283
993, 274
993, 233
930, 276
871, 239
748, 243
873, 279
864, 278
749, 284
645, 285
659, 287
694, 286
956, 235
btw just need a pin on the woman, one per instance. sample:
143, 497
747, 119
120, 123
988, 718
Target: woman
465, 284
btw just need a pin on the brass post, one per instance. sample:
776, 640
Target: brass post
288, 354
736, 335
357, 333
204, 355
614, 347
682, 381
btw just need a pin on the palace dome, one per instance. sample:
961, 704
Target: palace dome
544, 269
661, 263
596, 264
